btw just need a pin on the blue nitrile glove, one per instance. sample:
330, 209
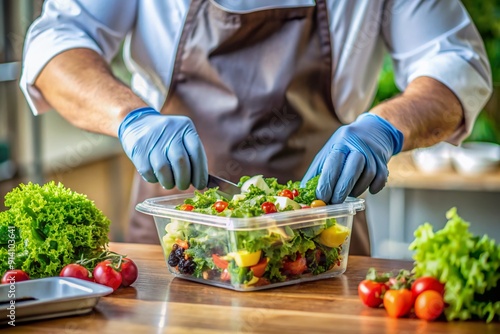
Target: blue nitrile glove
355, 158
164, 148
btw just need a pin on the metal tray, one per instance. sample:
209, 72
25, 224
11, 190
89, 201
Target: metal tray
47, 298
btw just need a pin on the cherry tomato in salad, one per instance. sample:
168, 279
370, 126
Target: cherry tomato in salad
426, 283
269, 207
224, 275
77, 271
286, 193
219, 262
220, 205
14, 276
105, 274
429, 305
296, 267
398, 303
371, 293
186, 207
260, 268
128, 271
295, 193
317, 203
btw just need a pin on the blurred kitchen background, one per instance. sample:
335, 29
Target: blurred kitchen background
422, 186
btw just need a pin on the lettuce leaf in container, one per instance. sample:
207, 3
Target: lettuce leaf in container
469, 266
52, 226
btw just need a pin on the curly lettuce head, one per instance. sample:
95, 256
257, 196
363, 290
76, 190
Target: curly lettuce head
47, 227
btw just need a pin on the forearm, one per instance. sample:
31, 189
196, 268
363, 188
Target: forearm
427, 112
79, 84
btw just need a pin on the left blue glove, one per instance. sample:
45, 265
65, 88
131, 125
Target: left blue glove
164, 148
355, 159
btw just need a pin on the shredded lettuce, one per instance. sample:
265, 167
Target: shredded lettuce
250, 205
53, 226
468, 265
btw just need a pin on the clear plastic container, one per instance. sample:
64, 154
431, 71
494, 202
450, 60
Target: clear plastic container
249, 254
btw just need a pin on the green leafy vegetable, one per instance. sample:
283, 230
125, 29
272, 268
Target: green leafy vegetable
52, 226
468, 265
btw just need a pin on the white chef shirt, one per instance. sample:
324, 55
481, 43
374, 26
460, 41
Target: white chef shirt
434, 38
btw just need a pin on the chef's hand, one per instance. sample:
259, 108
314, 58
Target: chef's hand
165, 149
355, 159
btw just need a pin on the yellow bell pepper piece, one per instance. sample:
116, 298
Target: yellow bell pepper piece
246, 259
334, 236
252, 281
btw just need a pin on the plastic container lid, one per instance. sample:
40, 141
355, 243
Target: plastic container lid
165, 207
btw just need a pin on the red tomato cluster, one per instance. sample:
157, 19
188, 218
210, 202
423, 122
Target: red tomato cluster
402, 294
114, 271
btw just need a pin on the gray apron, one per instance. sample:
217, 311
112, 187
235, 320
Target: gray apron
258, 89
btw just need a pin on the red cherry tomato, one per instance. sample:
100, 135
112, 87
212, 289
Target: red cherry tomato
220, 262
186, 207
398, 303
371, 293
269, 207
295, 193
429, 305
296, 267
426, 283
220, 205
128, 271
77, 271
14, 276
105, 274
286, 193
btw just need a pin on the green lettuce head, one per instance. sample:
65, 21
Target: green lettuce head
47, 227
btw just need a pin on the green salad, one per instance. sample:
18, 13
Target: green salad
248, 257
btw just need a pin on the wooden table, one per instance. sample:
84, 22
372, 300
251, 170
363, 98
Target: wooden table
159, 303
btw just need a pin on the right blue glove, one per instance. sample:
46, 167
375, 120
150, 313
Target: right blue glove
164, 148
355, 158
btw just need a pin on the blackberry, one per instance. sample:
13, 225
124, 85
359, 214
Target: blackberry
186, 266
173, 260
179, 253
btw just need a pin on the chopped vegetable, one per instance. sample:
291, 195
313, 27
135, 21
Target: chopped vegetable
468, 265
47, 227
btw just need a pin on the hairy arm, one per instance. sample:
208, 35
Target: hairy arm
427, 112
79, 84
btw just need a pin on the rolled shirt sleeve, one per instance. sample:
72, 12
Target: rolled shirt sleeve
437, 39
68, 24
